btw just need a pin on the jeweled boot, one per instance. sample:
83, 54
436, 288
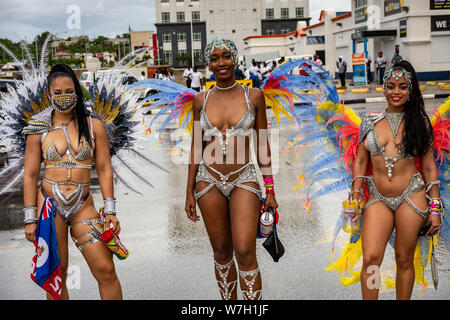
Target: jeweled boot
249, 278
226, 287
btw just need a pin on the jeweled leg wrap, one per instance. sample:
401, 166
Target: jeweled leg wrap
224, 284
95, 235
250, 294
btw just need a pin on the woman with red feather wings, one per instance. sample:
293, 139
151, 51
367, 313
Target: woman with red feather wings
396, 164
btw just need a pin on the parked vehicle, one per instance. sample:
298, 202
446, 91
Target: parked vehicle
5, 82
288, 58
88, 78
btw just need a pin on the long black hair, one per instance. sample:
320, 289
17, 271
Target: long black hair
62, 70
418, 135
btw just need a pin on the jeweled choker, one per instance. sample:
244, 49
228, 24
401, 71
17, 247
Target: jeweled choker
227, 88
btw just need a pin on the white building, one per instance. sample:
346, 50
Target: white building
234, 19
420, 29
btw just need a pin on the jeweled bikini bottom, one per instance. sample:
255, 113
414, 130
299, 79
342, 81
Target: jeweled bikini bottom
61, 202
247, 174
416, 184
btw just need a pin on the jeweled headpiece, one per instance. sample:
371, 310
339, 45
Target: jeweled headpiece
221, 43
397, 73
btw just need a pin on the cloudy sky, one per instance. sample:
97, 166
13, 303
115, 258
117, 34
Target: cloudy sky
24, 19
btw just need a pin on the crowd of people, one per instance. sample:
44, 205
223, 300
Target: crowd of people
392, 154
259, 70
380, 66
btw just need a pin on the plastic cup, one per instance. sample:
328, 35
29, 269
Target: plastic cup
350, 216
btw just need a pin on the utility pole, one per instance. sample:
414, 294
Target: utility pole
192, 38
37, 54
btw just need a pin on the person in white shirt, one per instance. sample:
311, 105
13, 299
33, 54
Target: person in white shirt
197, 77
142, 75
171, 75
260, 77
317, 62
380, 64
265, 70
242, 67
187, 74
254, 71
161, 75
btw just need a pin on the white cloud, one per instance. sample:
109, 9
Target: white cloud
20, 19
26, 19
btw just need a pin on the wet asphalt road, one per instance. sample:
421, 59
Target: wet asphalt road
170, 257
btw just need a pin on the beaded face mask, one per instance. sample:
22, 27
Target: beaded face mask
221, 43
64, 102
397, 73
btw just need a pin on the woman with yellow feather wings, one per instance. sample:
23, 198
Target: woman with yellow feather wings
395, 164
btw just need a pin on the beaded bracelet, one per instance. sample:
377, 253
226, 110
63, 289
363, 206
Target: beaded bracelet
436, 207
268, 180
269, 185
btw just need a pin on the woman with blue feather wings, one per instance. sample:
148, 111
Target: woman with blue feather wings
400, 183
215, 186
279, 90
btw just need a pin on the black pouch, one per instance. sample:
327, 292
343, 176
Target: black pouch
274, 246
424, 230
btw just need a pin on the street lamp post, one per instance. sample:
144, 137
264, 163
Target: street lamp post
192, 39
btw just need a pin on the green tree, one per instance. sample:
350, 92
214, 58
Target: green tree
184, 59
13, 47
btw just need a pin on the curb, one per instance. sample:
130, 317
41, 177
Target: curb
383, 99
354, 101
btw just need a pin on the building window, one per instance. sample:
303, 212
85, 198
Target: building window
198, 57
285, 30
181, 36
270, 32
299, 13
315, 39
284, 13
197, 36
167, 37
180, 0
165, 17
180, 16
269, 14
195, 16
361, 3
182, 55
164, 1
167, 56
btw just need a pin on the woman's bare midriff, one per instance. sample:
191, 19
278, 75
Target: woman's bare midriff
402, 174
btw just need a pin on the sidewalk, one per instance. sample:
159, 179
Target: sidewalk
429, 92
372, 96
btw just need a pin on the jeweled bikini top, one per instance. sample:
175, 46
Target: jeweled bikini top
367, 130
42, 124
50, 152
242, 128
